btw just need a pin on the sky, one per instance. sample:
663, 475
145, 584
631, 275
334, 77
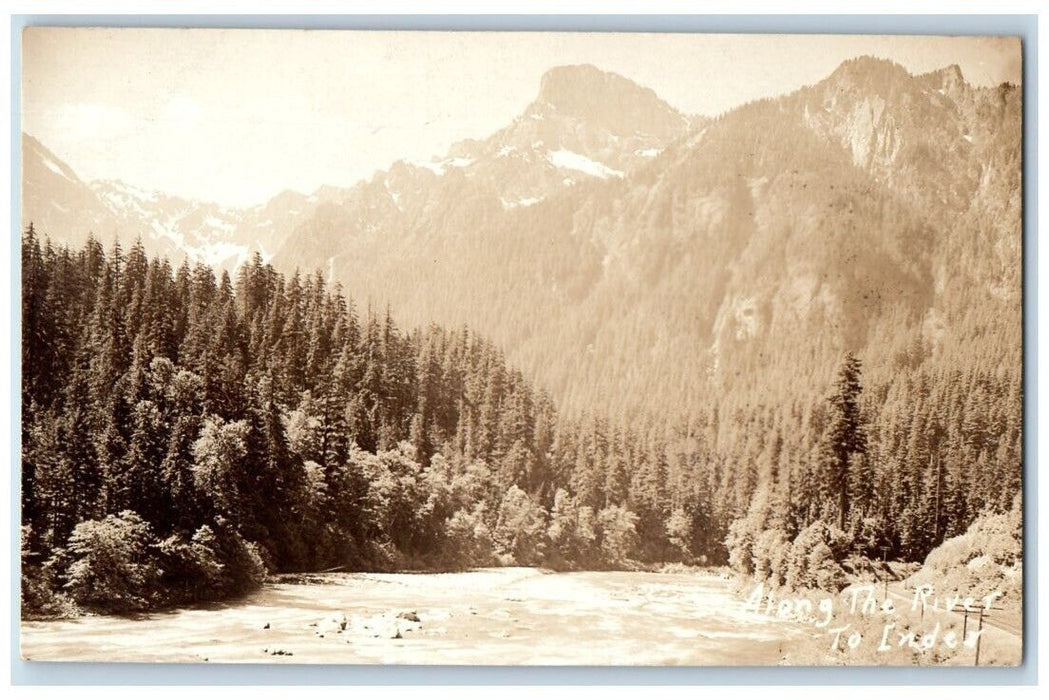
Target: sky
237, 116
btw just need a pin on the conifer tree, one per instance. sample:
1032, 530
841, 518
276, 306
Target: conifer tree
845, 434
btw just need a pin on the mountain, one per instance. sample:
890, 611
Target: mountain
67, 209
585, 123
635, 259
54, 199
875, 211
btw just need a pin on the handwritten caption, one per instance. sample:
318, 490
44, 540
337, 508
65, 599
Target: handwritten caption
863, 602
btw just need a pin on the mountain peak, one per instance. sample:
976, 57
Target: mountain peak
947, 78
869, 70
607, 99
559, 81
954, 71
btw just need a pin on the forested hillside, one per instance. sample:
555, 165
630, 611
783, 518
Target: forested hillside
184, 431
876, 212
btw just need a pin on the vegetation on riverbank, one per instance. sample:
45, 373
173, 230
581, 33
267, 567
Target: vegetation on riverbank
873, 615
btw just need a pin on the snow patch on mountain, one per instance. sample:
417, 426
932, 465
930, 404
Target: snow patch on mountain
55, 167
160, 231
523, 202
570, 160
218, 252
225, 226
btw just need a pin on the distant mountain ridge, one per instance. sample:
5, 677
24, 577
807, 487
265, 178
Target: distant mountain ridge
875, 211
553, 143
67, 209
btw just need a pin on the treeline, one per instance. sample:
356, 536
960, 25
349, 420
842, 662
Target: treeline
183, 433
884, 473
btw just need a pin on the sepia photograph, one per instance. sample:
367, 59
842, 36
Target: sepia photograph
521, 348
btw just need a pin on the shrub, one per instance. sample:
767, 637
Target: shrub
871, 535
572, 532
113, 566
618, 533
679, 532
586, 533
217, 455
740, 545
814, 557
469, 538
38, 583
244, 568
192, 570
825, 573
987, 558
520, 529
770, 552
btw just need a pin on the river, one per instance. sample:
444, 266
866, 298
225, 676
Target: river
488, 616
